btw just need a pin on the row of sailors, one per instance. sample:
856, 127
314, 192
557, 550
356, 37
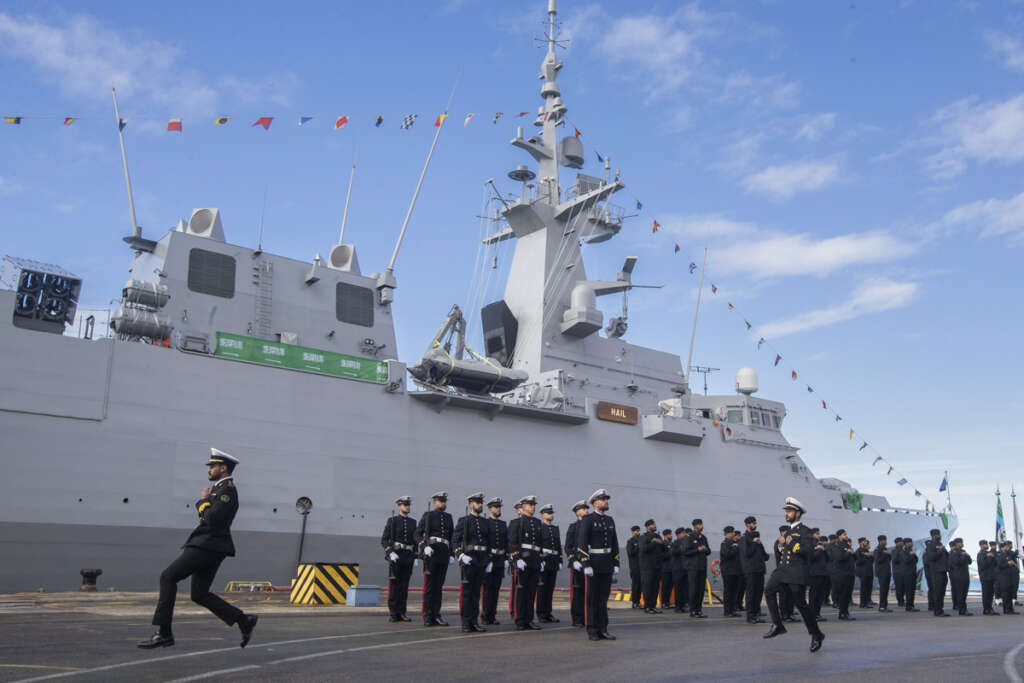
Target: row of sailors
485, 547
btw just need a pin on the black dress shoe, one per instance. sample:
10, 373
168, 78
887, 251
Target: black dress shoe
246, 624
846, 617
790, 620
578, 624
439, 621
593, 636
393, 618
884, 609
774, 630
755, 620
604, 635
698, 615
943, 614
156, 640
550, 620
533, 626
404, 618
467, 629
816, 641
821, 618
478, 628
913, 609
965, 613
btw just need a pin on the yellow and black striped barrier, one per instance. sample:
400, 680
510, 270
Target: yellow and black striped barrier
709, 597
323, 583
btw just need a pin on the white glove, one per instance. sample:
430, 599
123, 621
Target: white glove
393, 556
451, 560
543, 565
615, 570
416, 563
577, 566
490, 566
428, 551
520, 565
506, 565
589, 571
561, 565
465, 559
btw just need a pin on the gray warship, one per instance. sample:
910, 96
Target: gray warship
293, 367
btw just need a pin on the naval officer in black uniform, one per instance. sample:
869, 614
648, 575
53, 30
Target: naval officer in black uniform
524, 550
635, 578
434, 539
791, 575
492, 581
577, 589
399, 545
597, 550
986, 574
206, 547
695, 559
551, 552
473, 544
753, 557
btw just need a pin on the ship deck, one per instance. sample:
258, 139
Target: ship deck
76, 637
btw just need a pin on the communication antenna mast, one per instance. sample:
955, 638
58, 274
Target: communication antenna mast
704, 370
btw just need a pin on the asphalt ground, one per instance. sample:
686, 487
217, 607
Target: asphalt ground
78, 638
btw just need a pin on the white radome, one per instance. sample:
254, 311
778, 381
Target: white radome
746, 381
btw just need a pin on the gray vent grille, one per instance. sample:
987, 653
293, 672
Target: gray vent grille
211, 273
354, 304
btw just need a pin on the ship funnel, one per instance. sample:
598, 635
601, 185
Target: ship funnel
746, 381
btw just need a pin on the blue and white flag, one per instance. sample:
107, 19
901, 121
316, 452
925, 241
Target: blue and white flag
408, 121
693, 267
863, 446
759, 343
1000, 524
303, 120
901, 482
944, 484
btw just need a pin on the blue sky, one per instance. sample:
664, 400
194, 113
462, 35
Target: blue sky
853, 168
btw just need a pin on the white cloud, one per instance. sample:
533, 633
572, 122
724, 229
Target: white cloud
794, 255
990, 217
816, 126
979, 131
85, 58
785, 180
705, 226
872, 296
1010, 50
8, 187
760, 91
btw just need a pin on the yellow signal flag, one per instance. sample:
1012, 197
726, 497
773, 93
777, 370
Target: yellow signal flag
221, 120
440, 119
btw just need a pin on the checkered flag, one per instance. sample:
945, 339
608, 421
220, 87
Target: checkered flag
408, 121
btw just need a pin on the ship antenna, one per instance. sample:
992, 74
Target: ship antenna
259, 235
348, 197
693, 332
136, 230
386, 282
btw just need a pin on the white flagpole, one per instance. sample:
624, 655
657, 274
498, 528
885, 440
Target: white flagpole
136, 231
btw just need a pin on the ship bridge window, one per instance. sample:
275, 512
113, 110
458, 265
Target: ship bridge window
735, 415
211, 273
354, 304
778, 421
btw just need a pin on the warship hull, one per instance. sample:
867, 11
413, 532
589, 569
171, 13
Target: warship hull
103, 446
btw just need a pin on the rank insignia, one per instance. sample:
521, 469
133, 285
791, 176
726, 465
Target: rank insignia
225, 498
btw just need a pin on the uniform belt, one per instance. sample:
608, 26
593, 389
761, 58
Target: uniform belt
549, 552
600, 551
438, 539
527, 546
497, 552
401, 546
475, 547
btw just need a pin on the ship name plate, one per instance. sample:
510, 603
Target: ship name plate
615, 412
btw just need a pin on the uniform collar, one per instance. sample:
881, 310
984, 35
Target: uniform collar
221, 481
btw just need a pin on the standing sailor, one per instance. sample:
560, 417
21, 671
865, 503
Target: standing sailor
679, 576
513, 588
791, 575
843, 571
551, 552
473, 543
434, 538
936, 560
908, 564
987, 576
667, 583
524, 550
651, 557
597, 549
752, 558
400, 551
635, 578
818, 574
492, 581
959, 576
206, 547
729, 563
1009, 575
577, 587
695, 558
897, 578
864, 565
883, 570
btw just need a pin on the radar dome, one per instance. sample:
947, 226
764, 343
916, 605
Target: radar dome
746, 381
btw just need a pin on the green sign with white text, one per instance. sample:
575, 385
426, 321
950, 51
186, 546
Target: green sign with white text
300, 358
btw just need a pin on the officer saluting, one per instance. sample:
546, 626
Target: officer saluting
524, 549
400, 550
205, 549
474, 544
577, 589
492, 581
434, 538
791, 574
597, 549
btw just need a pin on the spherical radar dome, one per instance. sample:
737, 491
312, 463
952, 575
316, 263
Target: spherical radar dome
746, 381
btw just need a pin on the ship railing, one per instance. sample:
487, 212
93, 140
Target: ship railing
901, 510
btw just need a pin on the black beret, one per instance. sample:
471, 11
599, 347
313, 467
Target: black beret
861, 539
898, 539
882, 537
958, 540
935, 532
634, 528
649, 522
750, 519
666, 532
840, 532
833, 537
815, 530
729, 529
697, 521
982, 542
680, 530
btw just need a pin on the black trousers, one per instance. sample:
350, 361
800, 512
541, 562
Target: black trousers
774, 587
696, 580
883, 589
1008, 592
937, 591
546, 590
755, 591
399, 574
526, 594
578, 596
866, 584
909, 590
901, 587
741, 591
202, 566
958, 588
637, 587
650, 579
680, 580
987, 591
598, 587
819, 586
928, 587
491, 591
435, 569
786, 604
843, 586
469, 594
513, 589
667, 586
730, 585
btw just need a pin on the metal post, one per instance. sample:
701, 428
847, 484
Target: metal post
302, 537
136, 231
693, 333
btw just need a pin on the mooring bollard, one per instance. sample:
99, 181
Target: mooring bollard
89, 578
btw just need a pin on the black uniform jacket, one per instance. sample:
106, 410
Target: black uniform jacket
729, 558
570, 540
524, 537
597, 545
883, 562
863, 562
795, 555
842, 559
435, 530
632, 552
500, 548
399, 537
1008, 573
474, 536
819, 561
676, 553
753, 556
907, 561
959, 561
986, 565
936, 559
651, 553
694, 559
216, 512
551, 542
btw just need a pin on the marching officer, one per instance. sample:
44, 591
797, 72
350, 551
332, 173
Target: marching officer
207, 546
679, 576
492, 581
908, 563
818, 574
524, 549
577, 589
597, 549
434, 539
1009, 575
753, 558
785, 598
695, 558
864, 565
791, 575
399, 545
473, 544
937, 563
959, 576
883, 571
729, 563
987, 575
651, 557
843, 571
551, 552
633, 554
